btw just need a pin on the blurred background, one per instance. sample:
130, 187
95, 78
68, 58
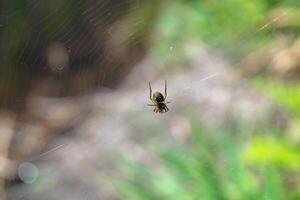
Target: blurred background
74, 120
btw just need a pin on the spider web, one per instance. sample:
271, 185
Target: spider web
211, 65
60, 48
64, 40
52, 47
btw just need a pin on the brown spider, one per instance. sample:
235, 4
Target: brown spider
158, 100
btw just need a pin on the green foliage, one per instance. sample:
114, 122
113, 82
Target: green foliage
287, 95
211, 167
235, 27
271, 151
223, 24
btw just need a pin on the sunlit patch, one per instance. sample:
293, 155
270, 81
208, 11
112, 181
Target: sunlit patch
57, 57
28, 172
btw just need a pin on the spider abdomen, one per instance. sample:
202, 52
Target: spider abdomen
158, 97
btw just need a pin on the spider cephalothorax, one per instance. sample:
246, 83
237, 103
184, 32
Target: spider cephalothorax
158, 100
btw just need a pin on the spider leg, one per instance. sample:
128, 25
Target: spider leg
166, 108
165, 89
150, 91
154, 104
150, 105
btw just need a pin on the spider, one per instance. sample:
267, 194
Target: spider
158, 100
